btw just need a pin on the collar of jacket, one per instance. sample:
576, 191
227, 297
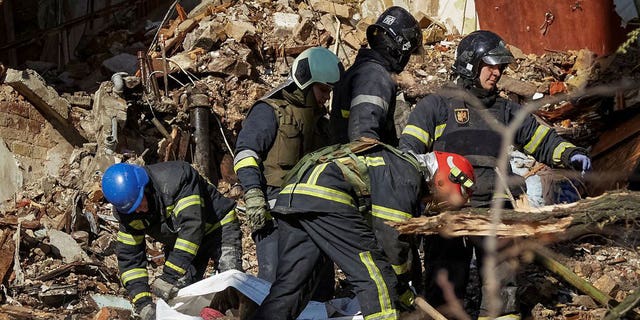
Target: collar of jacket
367, 54
488, 97
299, 98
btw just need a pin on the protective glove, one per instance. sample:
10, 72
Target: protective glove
163, 289
580, 162
148, 312
407, 300
257, 208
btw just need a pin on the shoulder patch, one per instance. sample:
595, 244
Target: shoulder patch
462, 115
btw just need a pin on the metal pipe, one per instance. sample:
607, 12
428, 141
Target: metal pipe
111, 140
118, 82
199, 114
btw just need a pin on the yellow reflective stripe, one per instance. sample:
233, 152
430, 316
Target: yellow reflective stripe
374, 161
174, 267
169, 210
467, 183
137, 224
389, 214
345, 113
418, 133
319, 192
188, 246
231, 216
132, 274
440, 130
187, 202
536, 139
384, 315
315, 174
559, 150
246, 162
376, 276
455, 171
140, 296
129, 239
400, 268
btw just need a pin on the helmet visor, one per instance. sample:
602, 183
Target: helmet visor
498, 55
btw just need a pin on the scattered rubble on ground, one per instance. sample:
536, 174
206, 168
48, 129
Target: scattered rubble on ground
57, 233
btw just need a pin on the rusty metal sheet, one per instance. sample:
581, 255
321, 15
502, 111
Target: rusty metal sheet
538, 26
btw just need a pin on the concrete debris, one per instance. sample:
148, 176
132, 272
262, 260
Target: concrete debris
66, 247
125, 97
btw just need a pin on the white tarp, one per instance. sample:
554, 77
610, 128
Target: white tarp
192, 299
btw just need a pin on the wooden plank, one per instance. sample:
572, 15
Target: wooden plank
7, 246
616, 135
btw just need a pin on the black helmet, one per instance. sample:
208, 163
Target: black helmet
396, 34
479, 46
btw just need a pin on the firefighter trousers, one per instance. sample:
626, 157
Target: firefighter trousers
306, 239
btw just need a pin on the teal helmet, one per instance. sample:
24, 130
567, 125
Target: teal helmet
316, 65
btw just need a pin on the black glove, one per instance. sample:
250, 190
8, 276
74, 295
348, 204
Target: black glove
257, 209
163, 289
148, 312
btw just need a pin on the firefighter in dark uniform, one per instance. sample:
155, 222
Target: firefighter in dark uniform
365, 99
320, 215
447, 122
173, 204
279, 129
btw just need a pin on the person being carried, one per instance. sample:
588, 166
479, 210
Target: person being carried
175, 205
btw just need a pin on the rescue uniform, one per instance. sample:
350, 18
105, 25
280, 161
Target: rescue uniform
277, 132
364, 101
443, 122
321, 217
193, 221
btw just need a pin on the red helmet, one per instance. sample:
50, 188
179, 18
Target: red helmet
453, 179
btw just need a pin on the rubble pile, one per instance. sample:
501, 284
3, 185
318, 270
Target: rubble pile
57, 233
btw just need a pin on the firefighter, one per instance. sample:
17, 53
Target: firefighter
364, 101
173, 204
448, 122
279, 129
337, 209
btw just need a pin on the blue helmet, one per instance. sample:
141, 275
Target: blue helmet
123, 186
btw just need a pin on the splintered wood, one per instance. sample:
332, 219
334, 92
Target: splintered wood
559, 222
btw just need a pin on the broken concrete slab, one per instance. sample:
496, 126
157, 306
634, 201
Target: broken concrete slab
340, 10
123, 62
237, 29
521, 88
66, 247
55, 108
284, 23
12, 181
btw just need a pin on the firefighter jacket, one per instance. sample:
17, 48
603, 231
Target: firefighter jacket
443, 122
364, 101
184, 209
395, 186
277, 132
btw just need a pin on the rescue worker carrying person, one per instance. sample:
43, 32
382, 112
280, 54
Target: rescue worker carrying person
335, 205
279, 129
447, 121
364, 101
173, 204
